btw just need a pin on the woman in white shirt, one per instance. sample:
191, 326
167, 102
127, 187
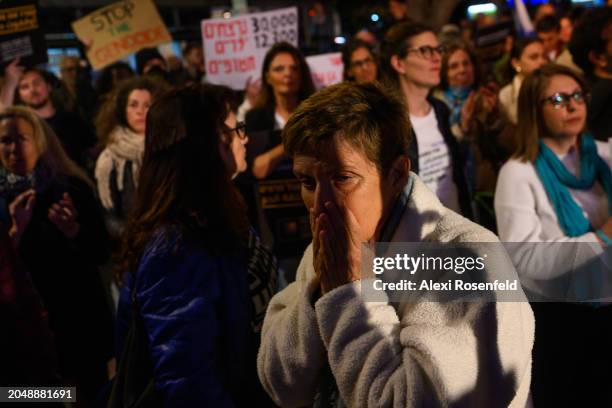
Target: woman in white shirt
557, 189
526, 56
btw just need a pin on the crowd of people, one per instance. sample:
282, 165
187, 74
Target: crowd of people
141, 263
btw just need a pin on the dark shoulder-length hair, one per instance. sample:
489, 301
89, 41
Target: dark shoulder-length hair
347, 53
266, 95
113, 111
531, 125
397, 42
449, 49
106, 79
184, 182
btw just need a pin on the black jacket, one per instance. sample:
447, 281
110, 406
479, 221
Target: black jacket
65, 273
600, 109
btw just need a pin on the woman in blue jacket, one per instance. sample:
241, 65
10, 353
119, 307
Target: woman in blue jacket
198, 275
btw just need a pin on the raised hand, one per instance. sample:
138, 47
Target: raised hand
13, 72
252, 89
21, 210
64, 216
467, 111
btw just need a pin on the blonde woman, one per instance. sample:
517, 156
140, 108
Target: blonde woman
56, 225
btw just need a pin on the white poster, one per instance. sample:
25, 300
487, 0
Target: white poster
326, 69
234, 48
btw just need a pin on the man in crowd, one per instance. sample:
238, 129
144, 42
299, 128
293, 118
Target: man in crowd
149, 61
591, 47
33, 87
548, 29
194, 61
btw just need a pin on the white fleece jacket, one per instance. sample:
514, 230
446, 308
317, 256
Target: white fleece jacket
423, 354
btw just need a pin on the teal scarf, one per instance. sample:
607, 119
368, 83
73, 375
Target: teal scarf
557, 181
455, 97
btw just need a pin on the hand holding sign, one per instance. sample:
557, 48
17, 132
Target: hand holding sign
235, 48
13, 72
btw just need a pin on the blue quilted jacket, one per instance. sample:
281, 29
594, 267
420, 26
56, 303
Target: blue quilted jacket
195, 307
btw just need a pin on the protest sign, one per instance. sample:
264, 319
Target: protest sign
120, 29
20, 33
234, 48
326, 69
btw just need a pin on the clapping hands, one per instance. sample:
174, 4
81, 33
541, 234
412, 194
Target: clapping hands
64, 216
21, 210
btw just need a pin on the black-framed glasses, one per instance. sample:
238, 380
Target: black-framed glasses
240, 130
562, 99
427, 51
362, 63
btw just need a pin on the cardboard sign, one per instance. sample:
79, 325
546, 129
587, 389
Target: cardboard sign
326, 69
20, 33
234, 48
113, 32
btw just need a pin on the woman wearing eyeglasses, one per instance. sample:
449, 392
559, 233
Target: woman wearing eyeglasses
411, 59
544, 192
557, 188
195, 274
359, 61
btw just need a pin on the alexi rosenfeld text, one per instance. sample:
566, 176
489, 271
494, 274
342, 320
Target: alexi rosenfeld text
414, 264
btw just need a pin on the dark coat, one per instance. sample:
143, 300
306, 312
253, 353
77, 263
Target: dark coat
65, 273
196, 310
600, 109
122, 200
27, 349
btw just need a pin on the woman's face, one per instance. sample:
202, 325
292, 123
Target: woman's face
234, 153
532, 58
343, 175
460, 69
18, 153
363, 67
138, 103
565, 120
284, 75
417, 68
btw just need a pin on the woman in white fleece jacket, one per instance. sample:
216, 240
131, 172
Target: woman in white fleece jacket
323, 344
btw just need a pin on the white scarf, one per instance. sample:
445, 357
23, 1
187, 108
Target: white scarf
124, 146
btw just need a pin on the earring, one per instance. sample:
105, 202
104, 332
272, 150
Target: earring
518, 69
